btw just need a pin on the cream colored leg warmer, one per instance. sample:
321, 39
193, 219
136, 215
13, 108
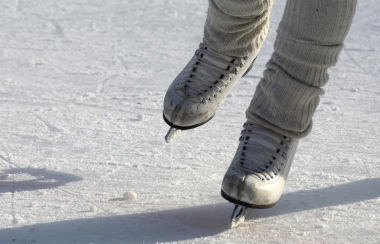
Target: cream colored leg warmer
237, 27
309, 40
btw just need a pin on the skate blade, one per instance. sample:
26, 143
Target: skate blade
238, 216
172, 134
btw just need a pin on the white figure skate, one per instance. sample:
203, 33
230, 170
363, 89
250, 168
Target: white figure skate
257, 174
198, 91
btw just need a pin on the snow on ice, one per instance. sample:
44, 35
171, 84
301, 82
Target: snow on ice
76, 79
130, 195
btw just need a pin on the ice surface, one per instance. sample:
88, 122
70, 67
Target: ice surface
75, 75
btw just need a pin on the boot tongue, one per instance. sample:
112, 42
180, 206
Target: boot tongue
209, 75
217, 63
265, 143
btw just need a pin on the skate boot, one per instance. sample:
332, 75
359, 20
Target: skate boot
198, 91
257, 174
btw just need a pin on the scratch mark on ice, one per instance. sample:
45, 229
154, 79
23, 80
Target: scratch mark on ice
124, 64
100, 88
51, 127
17, 6
7, 159
59, 30
353, 60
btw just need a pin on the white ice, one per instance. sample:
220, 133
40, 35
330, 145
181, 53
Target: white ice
74, 77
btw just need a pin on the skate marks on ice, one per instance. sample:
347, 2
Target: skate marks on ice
31, 179
18, 179
185, 223
152, 227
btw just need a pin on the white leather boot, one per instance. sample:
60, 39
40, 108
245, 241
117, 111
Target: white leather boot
257, 174
198, 91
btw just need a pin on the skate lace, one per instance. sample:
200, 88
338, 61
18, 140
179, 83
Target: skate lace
261, 152
211, 73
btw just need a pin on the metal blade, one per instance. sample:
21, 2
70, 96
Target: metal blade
238, 216
172, 134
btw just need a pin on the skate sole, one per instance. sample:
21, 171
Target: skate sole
185, 127
244, 204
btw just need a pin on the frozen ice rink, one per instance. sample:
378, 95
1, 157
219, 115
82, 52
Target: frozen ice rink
81, 93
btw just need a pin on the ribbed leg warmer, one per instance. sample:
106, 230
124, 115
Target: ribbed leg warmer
237, 27
309, 40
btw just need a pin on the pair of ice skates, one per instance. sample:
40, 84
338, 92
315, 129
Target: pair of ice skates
257, 174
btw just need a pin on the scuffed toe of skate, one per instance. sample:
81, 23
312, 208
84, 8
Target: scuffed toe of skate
197, 92
248, 190
182, 113
232, 184
257, 174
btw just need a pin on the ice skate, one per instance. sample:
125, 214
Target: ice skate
198, 91
257, 174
